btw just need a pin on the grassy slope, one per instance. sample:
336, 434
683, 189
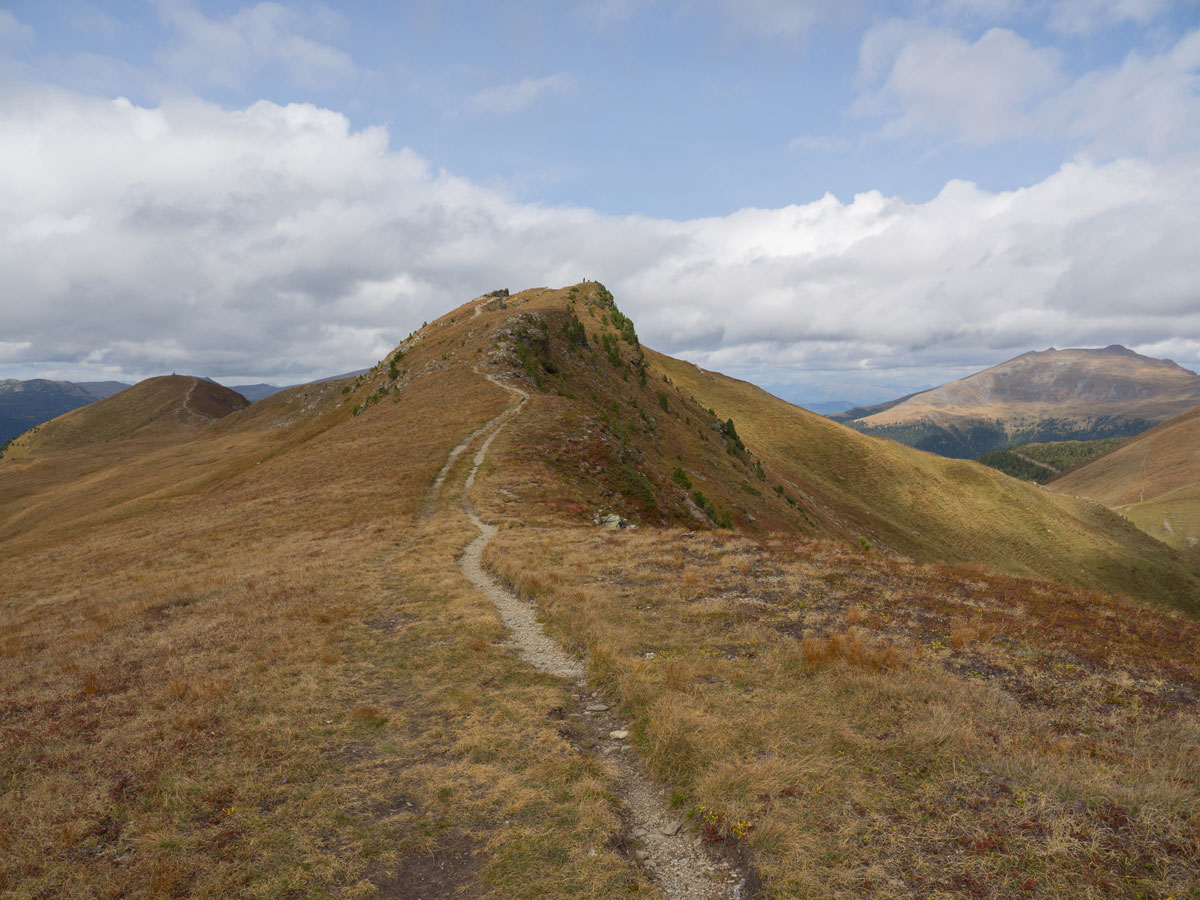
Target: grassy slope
1154, 480
873, 728
1080, 384
218, 672
238, 661
933, 508
1039, 397
164, 405
1040, 463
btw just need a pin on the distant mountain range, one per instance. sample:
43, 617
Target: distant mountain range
1051, 395
24, 404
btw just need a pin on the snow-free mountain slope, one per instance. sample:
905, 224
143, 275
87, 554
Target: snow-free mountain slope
1051, 395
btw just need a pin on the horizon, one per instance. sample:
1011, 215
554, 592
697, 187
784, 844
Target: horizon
781, 391
267, 192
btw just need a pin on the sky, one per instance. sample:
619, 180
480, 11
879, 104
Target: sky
843, 201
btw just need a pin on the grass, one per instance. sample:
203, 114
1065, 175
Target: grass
245, 665
238, 659
885, 728
1154, 481
930, 508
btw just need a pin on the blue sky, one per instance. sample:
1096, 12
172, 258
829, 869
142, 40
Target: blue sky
840, 205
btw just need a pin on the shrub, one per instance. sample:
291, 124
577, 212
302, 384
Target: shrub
732, 434
611, 350
680, 477
663, 400
632, 483
574, 332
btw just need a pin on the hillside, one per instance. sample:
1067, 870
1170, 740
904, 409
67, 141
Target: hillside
1041, 463
1154, 481
1052, 395
24, 404
258, 655
170, 403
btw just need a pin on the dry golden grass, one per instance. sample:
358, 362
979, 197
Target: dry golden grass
247, 666
982, 736
1153, 480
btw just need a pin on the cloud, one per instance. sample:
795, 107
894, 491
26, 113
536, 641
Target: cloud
1087, 16
935, 83
13, 30
276, 242
819, 143
225, 52
507, 99
1147, 104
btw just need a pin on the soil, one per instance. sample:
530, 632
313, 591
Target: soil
684, 866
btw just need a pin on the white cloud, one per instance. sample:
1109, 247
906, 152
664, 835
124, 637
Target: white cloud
274, 242
933, 82
226, 51
506, 99
1147, 104
13, 30
1087, 16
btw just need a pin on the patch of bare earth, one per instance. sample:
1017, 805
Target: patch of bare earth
678, 862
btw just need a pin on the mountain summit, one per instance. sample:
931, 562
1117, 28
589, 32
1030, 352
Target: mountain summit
460, 624
1049, 395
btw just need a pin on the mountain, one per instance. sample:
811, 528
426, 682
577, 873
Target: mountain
164, 405
24, 404
1052, 395
386, 635
1153, 480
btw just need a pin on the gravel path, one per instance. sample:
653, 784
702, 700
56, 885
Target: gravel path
677, 861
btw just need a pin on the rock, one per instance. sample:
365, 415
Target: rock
618, 735
672, 828
597, 707
643, 855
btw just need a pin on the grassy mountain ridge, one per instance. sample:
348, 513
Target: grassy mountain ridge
164, 404
237, 658
1038, 397
1153, 480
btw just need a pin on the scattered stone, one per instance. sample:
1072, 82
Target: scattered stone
672, 828
618, 735
597, 707
612, 521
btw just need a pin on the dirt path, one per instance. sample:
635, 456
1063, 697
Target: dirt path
1036, 462
677, 861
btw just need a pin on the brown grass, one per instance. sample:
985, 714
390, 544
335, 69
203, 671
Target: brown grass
246, 666
976, 739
